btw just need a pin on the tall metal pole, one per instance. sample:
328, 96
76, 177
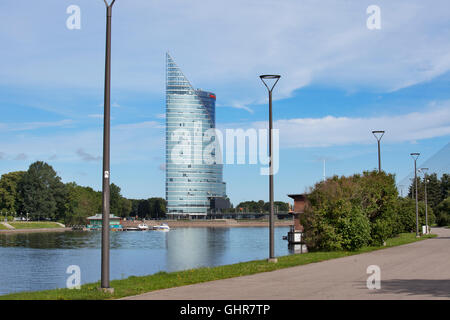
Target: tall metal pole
379, 157
271, 216
106, 154
426, 205
424, 170
417, 204
415, 156
271, 222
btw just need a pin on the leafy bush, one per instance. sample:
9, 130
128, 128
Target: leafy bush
355, 230
351, 212
407, 215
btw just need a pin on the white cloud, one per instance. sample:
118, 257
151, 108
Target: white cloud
328, 131
305, 42
86, 156
21, 156
26, 126
129, 142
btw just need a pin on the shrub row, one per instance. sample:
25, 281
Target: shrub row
347, 213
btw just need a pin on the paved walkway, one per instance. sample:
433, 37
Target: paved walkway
419, 270
7, 225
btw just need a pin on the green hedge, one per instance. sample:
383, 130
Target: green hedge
348, 213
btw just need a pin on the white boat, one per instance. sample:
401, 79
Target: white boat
130, 229
162, 227
142, 226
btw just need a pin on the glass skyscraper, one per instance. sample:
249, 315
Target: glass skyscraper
193, 185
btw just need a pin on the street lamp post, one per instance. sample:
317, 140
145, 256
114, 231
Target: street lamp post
106, 155
425, 177
264, 78
415, 156
378, 134
401, 189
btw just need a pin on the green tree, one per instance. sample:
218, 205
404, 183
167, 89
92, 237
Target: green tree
407, 215
81, 202
434, 190
144, 209
9, 195
157, 207
42, 192
125, 207
445, 186
115, 199
443, 213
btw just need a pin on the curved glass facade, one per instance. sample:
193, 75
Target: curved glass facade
190, 181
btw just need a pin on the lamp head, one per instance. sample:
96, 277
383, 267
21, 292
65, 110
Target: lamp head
378, 134
415, 155
109, 5
265, 78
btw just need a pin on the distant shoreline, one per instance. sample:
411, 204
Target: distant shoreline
225, 223
15, 231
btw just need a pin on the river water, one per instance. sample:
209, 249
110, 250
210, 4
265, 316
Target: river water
39, 261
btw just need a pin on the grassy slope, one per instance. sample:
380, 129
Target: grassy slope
2, 227
137, 285
34, 225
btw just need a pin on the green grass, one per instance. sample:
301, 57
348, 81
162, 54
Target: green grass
34, 225
161, 280
2, 227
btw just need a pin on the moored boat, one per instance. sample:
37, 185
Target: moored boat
162, 227
143, 227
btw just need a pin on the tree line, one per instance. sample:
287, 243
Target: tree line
40, 194
261, 206
438, 195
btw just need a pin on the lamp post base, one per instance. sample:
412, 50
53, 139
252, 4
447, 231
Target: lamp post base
272, 260
106, 290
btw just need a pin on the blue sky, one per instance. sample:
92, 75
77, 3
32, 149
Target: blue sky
339, 82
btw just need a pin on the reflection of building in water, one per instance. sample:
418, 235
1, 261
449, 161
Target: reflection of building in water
195, 247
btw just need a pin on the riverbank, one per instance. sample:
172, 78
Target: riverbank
162, 280
31, 227
217, 223
16, 231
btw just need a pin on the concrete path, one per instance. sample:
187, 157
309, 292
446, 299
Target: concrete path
418, 270
7, 225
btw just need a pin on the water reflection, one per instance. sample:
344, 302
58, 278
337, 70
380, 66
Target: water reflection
38, 261
196, 247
